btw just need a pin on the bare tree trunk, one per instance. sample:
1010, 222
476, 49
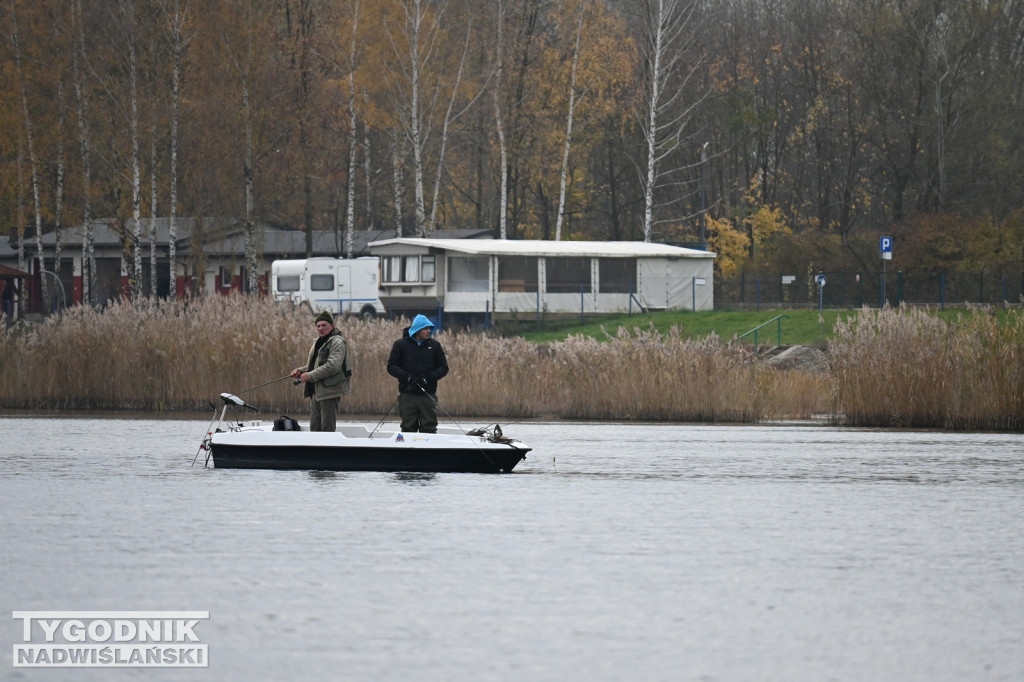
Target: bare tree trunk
178, 42
33, 166
397, 153
657, 24
22, 263
250, 188
58, 209
665, 119
368, 172
500, 127
568, 130
82, 98
448, 118
128, 16
152, 210
350, 203
414, 21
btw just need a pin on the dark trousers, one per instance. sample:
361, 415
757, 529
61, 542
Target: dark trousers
323, 414
419, 413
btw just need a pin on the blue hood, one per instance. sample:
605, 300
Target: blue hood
419, 323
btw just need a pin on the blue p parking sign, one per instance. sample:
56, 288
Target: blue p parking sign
885, 246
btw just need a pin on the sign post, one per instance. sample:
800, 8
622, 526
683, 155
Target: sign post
820, 279
885, 247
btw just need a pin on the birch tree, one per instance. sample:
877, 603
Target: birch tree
564, 174
237, 46
353, 123
30, 145
177, 16
414, 45
302, 21
450, 116
61, 48
417, 78
126, 19
153, 165
499, 124
247, 153
668, 38
79, 61
58, 208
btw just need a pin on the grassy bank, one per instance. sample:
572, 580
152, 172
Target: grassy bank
887, 368
798, 327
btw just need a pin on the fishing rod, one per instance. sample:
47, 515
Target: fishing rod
437, 405
385, 416
265, 384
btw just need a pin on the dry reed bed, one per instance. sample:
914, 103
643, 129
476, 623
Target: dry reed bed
906, 368
181, 355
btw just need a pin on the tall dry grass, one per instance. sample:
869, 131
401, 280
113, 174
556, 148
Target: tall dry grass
181, 355
904, 367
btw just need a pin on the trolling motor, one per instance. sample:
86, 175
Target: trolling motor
229, 400
234, 400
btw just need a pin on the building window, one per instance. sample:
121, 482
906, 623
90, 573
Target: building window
517, 273
321, 282
567, 275
288, 283
616, 275
410, 268
429, 274
392, 268
466, 273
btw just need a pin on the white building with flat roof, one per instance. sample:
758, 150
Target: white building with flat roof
471, 279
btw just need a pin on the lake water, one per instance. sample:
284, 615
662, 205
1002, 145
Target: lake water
614, 552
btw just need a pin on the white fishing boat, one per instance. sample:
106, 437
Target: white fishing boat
287, 444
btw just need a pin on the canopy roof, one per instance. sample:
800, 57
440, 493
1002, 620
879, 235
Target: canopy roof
543, 248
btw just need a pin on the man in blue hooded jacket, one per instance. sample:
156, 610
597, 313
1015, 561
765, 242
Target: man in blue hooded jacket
417, 361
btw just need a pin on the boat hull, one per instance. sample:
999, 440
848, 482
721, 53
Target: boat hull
421, 453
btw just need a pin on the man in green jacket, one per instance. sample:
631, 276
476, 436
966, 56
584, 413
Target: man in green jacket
327, 375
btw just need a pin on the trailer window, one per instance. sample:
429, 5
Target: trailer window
428, 273
392, 268
321, 282
616, 275
410, 268
567, 275
517, 273
288, 283
467, 274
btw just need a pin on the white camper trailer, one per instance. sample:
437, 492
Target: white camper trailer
344, 287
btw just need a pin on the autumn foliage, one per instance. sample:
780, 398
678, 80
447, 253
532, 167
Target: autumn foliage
799, 131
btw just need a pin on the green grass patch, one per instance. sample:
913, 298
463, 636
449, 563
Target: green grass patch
798, 327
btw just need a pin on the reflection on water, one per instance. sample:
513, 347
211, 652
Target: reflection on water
657, 552
414, 478
325, 476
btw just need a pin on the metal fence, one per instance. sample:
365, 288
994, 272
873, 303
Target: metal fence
858, 289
